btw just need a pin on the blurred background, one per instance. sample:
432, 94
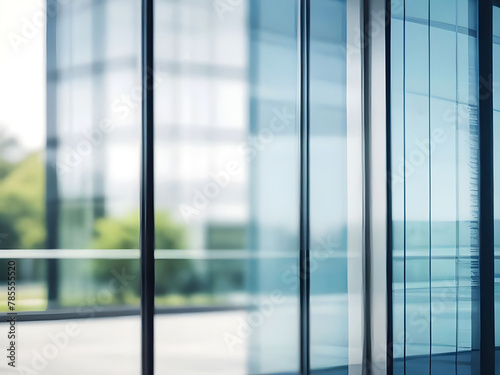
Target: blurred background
227, 184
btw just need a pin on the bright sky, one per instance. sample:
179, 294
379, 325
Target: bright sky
22, 75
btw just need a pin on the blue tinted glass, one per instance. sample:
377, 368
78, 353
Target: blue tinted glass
330, 318
417, 194
398, 184
434, 184
227, 187
443, 187
466, 143
69, 183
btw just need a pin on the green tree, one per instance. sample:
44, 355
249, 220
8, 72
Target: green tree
22, 202
172, 276
22, 205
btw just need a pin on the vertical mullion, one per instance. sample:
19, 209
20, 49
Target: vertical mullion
457, 191
367, 177
486, 247
303, 42
51, 178
389, 251
405, 240
147, 233
430, 180
375, 163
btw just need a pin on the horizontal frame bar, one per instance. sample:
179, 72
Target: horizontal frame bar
69, 254
68, 314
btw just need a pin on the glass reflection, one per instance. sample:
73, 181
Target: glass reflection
69, 181
434, 186
227, 174
331, 339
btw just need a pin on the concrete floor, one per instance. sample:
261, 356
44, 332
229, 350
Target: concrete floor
185, 344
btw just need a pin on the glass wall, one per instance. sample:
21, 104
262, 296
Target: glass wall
226, 179
434, 186
70, 182
226, 182
227, 186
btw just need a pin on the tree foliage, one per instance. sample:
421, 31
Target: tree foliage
172, 276
22, 204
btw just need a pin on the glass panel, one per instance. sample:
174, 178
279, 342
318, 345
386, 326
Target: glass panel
69, 183
226, 187
328, 189
442, 148
417, 190
434, 186
467, 148
398, 184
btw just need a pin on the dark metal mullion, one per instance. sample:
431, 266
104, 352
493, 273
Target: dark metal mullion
304, 260
367, 187
486, 226
389, 255
147, 235
51, 177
